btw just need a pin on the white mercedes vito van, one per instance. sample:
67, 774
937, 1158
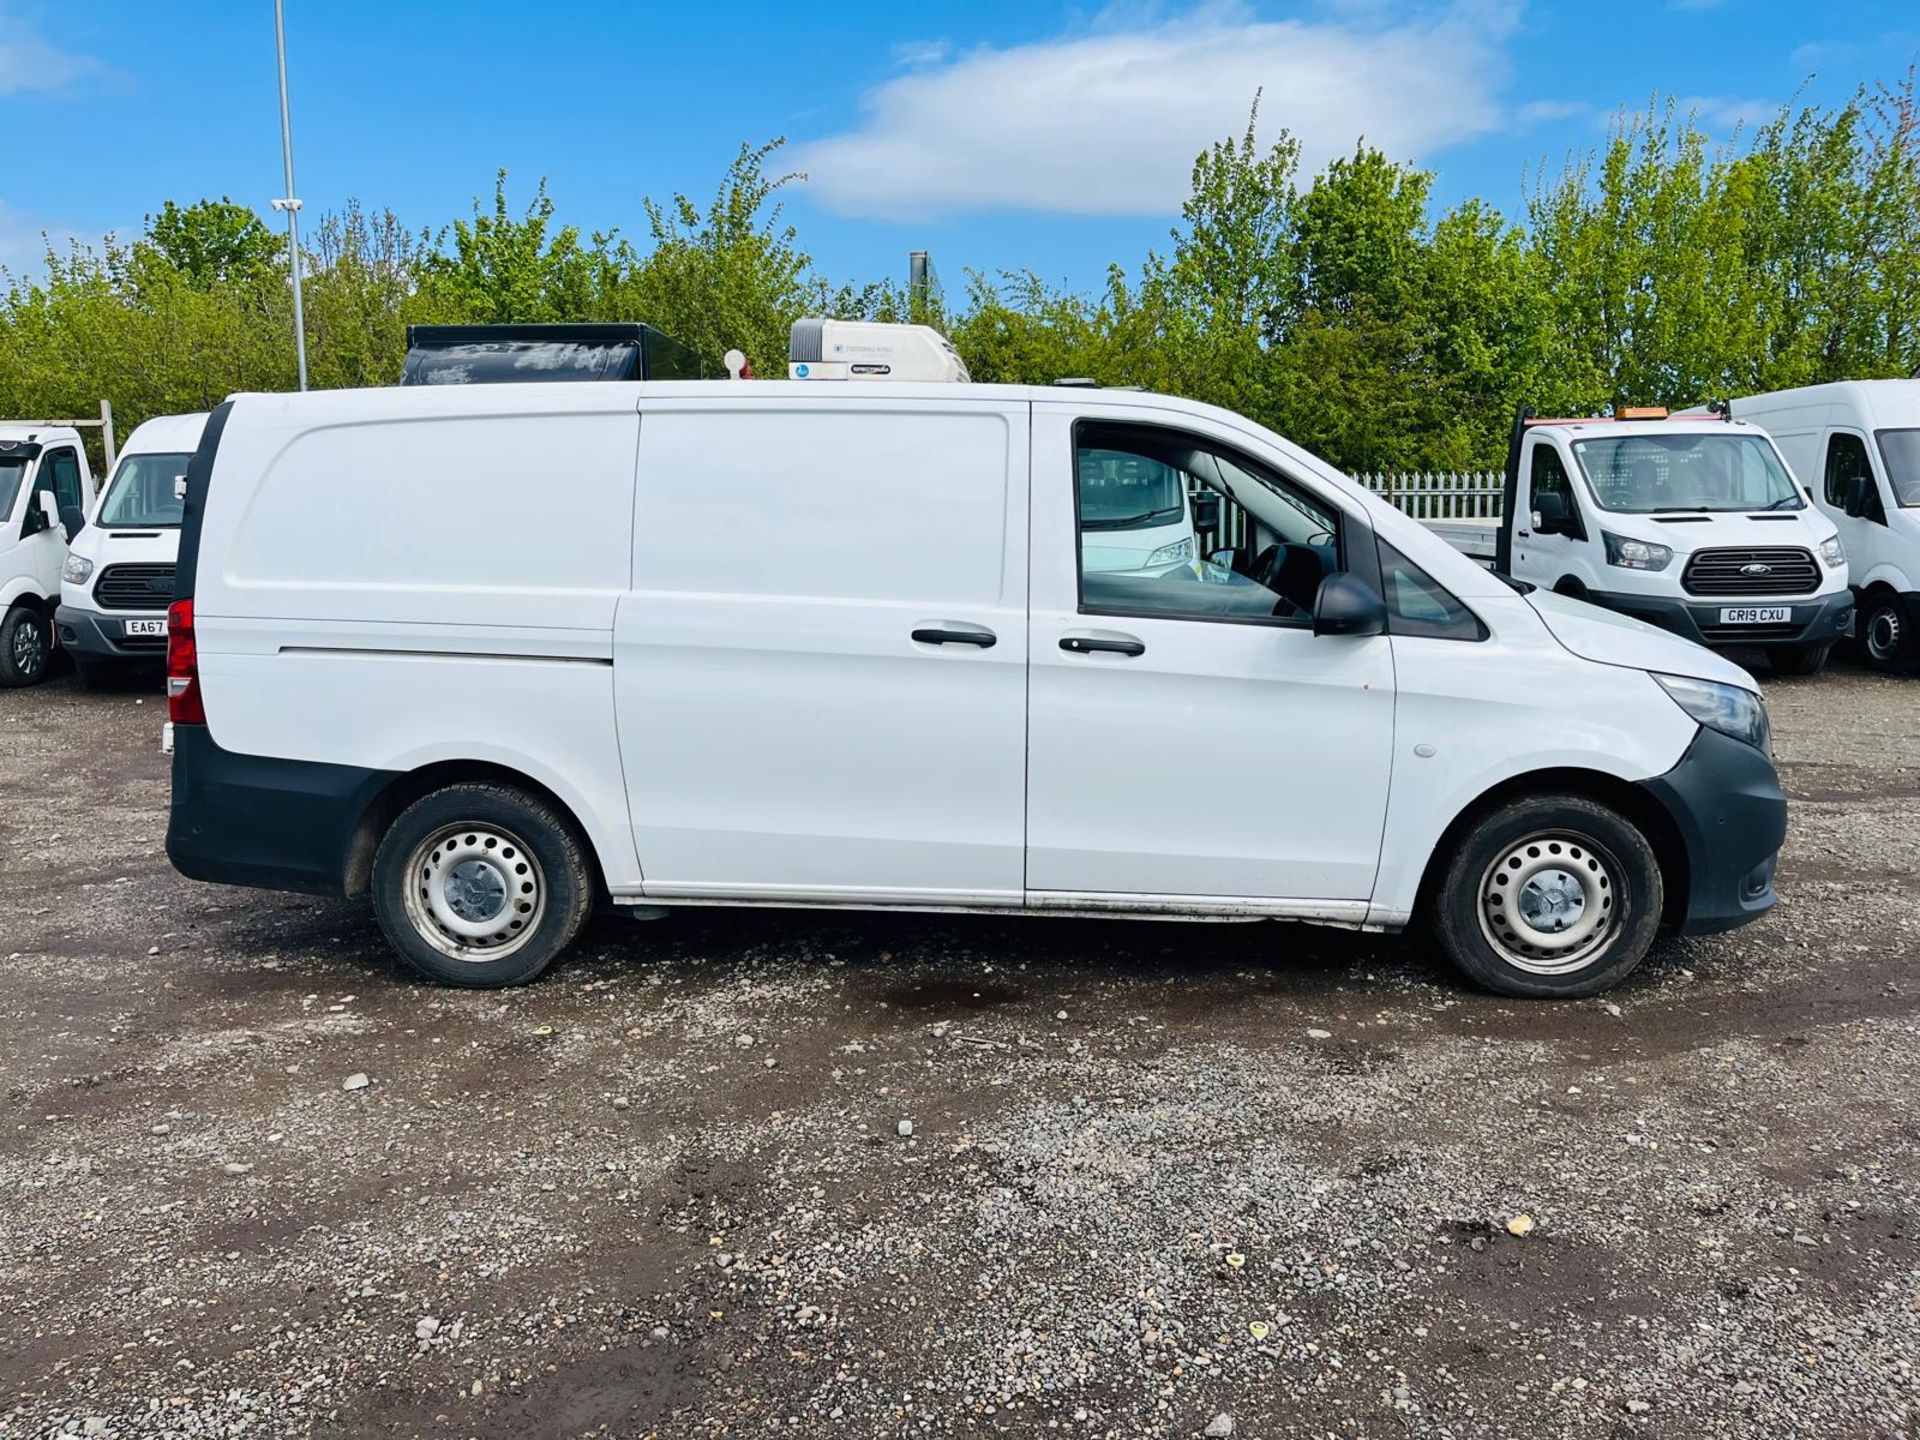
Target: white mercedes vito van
490, 653
118, 578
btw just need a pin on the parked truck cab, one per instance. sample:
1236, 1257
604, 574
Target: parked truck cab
1857, 442
1693, 523
46, 488
117, 581
824, 643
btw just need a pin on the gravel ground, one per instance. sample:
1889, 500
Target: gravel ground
798, 1173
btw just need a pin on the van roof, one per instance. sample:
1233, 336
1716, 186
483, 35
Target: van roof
1892, 400
165, 434
14, 431
1677, 425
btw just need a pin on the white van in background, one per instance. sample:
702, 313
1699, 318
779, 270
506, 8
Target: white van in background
117, 581
45, 489
1692, 523
804, 644
1857, 443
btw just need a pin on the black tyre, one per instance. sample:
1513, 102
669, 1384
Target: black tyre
481, 886
1549, 897
1887, 639
26, 646
1799, 659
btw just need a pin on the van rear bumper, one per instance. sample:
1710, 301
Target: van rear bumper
256, 820
1725, 799
1816, 620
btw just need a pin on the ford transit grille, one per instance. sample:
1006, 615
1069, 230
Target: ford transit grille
134, 587
1760, 570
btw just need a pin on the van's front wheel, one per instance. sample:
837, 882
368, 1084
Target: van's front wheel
26, 646
481, 886
1550, 896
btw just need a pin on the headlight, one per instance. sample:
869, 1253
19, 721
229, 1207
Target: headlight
1833, 552
1636, 554
1177, 553
1726, 708
77, 568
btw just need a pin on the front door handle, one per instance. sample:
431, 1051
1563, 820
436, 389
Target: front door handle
1088, 644
949, 632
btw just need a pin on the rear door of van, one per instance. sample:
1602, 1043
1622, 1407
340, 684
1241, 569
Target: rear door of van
821, 669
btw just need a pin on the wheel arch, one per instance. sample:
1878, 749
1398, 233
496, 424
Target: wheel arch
1623, 796
387, 803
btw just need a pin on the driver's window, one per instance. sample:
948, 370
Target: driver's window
1846, 462
1165, 530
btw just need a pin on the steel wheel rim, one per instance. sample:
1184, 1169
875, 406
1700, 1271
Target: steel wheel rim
1883, 633
475, 892
1549, 904
29, 647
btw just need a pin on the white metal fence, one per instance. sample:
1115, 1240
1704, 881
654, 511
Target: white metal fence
1441, 495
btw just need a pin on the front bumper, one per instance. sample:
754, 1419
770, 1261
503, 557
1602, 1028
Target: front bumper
1816, 619
104, 637
1725, 799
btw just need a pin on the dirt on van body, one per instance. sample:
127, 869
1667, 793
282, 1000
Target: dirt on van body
792, 1173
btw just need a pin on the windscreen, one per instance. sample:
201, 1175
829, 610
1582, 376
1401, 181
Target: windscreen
1119, 491
1652, 474
1901, 450
141, 496
13, 469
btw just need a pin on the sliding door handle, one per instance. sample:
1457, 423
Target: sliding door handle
949, 632
1090, 644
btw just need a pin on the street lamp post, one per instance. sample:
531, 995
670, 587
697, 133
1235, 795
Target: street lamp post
290, 205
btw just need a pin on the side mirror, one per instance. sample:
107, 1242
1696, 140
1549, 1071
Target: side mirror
1224, 558
1347, 605
1859, 496
1206, 512
49, 511
180, 487
1550, 514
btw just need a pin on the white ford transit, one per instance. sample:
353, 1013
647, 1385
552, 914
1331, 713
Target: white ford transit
1692, 523
118, 578
489, 653
1857, 443
45, 489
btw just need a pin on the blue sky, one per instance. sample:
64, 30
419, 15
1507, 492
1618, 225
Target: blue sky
996, 134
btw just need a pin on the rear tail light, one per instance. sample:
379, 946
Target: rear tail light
183, 667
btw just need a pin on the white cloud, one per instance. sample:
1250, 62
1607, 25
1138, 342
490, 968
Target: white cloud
1727, 112
24, 240
1108, 121
1544, 112
28, 62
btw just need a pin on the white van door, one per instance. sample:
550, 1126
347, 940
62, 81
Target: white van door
1549, 543
821, 667
1868, 540
1188, 734
43, 548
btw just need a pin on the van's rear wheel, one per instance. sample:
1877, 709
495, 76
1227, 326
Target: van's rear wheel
1886, 638
1550, 896
26, 646
481, 885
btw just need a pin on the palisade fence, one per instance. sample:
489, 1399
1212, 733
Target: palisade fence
1440, 495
